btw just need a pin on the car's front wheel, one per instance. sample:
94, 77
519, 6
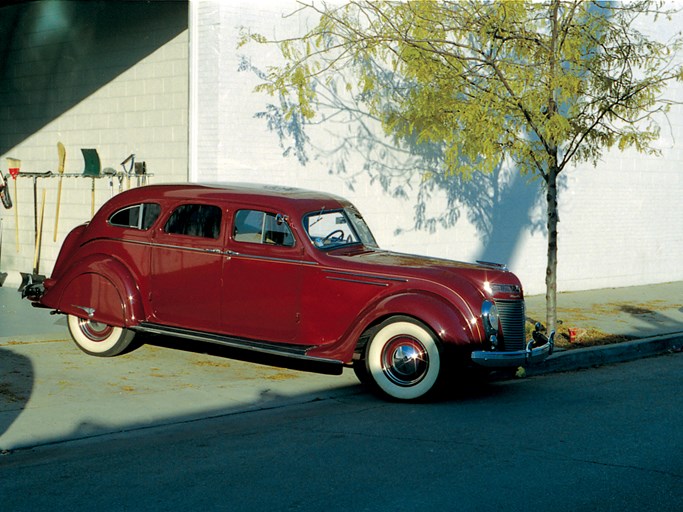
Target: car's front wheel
403, 358
98, 339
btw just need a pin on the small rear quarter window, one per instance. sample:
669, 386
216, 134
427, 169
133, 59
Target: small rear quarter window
139, 216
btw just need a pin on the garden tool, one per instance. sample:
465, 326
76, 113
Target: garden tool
7, 202
129, 171
3, 275
5, 196
93, 169
14, 166
141, 172
34, 278
61, 152
110, 173
35, 176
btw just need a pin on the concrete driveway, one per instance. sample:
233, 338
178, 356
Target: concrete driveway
51, 392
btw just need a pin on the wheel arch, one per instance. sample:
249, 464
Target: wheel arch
447, 321
101, 287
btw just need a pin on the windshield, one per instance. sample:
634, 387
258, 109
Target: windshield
338, 228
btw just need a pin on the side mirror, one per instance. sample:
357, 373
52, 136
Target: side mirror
281, 219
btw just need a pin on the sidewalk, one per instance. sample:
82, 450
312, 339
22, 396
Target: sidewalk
637, 311
51, 392
651, 315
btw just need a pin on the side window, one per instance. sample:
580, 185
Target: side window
262, 228
139, 216
198, 220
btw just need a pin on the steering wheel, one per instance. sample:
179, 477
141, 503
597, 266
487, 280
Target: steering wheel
338, 232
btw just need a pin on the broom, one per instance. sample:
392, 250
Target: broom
14, 166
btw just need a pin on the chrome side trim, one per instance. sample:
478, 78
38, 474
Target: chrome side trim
264, 347
348, 280
366, 276
227, 252
185, 248
234, 254
165, 246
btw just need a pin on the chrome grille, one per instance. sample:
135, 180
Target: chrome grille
512, 318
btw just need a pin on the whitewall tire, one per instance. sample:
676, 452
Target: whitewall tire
98, 339
403, 358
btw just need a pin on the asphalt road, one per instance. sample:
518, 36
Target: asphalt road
606, 439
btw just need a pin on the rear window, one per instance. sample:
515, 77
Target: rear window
200, 220
139, 216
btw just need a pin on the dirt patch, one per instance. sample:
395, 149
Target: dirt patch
213, 364
15, 342
571, 338
281, 376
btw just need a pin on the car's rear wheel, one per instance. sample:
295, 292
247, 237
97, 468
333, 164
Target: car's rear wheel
98, 339
403, 358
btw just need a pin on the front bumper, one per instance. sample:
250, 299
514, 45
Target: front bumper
537, 350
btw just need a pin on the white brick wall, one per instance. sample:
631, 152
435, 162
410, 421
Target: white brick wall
143, 110
621, 222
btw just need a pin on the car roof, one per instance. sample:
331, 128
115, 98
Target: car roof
273, 196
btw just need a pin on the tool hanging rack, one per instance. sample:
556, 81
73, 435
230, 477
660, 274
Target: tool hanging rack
92, 168
142, 179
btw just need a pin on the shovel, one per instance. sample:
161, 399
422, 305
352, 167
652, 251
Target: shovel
92, 169
29, 281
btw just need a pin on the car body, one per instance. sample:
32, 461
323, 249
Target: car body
283, 271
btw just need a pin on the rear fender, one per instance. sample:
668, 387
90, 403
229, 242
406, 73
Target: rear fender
100, 288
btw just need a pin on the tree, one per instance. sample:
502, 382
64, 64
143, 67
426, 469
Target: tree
540, 84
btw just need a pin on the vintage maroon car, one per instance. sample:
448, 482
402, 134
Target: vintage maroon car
283, 271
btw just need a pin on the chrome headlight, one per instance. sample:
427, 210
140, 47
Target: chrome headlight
489, 315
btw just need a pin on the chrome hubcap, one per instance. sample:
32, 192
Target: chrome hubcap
405, 360
95, 331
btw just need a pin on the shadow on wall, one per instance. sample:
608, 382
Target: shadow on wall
499, 205
54, 54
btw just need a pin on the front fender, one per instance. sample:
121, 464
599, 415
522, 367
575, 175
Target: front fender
450, 323
99, 287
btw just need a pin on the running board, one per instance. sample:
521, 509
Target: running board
264, 347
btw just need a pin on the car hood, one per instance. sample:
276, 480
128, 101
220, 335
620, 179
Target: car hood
479, 275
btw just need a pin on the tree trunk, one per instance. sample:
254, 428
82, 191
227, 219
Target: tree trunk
551, 269
551, 182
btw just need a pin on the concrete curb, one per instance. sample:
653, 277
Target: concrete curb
608, 354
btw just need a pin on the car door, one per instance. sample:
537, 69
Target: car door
262, 278
186, 267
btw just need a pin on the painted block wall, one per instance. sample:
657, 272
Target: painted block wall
621, 223
105, 75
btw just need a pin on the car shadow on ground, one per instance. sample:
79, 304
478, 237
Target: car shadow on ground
16, 385
457, 385
244, 355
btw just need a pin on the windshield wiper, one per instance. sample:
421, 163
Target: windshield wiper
320, 217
